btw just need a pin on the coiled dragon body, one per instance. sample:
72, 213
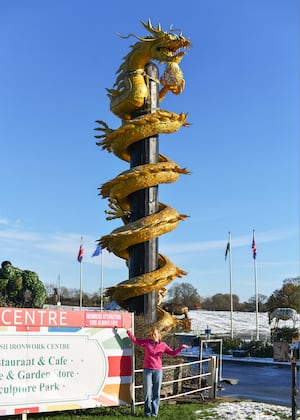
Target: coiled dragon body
129, 94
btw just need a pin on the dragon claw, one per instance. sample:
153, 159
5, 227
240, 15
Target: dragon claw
116, 211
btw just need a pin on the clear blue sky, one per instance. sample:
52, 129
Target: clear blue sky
242, 96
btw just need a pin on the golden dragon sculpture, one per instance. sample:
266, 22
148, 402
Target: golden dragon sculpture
129, 94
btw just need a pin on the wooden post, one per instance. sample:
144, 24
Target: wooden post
212, 378
294, 385
177, 386
143, 258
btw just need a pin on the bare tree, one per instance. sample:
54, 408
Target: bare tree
184, 294
286, 297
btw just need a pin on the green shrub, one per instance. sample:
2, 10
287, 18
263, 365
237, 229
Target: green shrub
230, 344
284, 334
258, 348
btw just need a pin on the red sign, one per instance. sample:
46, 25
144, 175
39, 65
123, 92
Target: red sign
28, 318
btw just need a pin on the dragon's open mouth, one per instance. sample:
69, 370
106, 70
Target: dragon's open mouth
173, 50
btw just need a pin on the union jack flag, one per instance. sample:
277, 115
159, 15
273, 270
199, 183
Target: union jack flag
80, 254
254, 248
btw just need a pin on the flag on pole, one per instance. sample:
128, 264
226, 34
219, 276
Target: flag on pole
97, 251
80, 253
227, 249
253, 247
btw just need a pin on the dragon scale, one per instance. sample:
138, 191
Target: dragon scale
128, 96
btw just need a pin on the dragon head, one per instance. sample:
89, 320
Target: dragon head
130, 90
165, 46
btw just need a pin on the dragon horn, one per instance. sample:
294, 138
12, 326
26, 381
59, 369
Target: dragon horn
136, 36
148, 26
175, 30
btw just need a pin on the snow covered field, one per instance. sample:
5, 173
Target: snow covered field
244, 323
246, 410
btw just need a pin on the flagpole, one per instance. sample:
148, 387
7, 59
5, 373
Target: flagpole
101, 283
98, 251
256, 301
80, 296
228, 251
58, 288
80, 260
230, 282
255, 283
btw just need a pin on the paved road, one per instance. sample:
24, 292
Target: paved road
267, 383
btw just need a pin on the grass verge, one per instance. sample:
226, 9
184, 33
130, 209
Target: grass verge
180, 411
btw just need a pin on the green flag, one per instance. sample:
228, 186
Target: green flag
227, 249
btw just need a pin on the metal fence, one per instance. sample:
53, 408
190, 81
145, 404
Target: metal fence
196, 377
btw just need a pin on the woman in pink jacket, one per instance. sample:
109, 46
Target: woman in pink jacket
152, 367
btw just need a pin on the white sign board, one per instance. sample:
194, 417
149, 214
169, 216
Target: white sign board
61, 360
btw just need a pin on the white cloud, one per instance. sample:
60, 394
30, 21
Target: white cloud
3, 221
220, 244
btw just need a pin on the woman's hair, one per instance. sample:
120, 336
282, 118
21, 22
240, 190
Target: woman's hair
152, 329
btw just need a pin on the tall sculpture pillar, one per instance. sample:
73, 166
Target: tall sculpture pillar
143, 258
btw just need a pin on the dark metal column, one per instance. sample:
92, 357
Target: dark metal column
143, 258
294, 385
